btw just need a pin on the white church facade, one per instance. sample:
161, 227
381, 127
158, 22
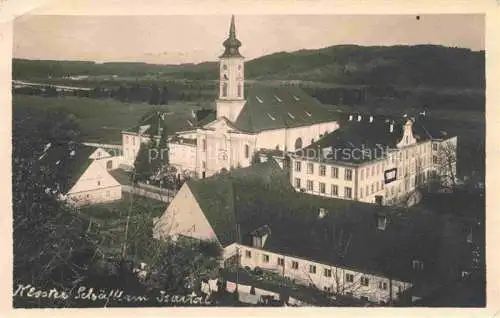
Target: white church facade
262, 118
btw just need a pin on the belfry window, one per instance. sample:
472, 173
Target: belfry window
224, 89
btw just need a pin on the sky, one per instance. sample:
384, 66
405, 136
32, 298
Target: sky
174, 39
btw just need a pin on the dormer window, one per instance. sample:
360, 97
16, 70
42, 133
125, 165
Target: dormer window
382, 222
322, 213
259, 236
418, 265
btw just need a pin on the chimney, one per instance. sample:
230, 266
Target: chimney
371, 119
350, 117
359, 117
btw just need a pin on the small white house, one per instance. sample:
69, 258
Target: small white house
83, 172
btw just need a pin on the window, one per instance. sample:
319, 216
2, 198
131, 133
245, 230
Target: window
418, 265
362, 174
239, 90
434, 147
327, 272
247, 151
348, 192
265, 258
434, 159
322, 187
367, 191
310, 168
373, 171
224, 90
361, 192
295, 265
98, 182
298, 166
373, 187
204, 164
322, 170
133, 141
107, 194
310, 185
312, 269
349, 278
382, 285
126, 139
335, 190
204, 145
335, 172
365, 281
248, 254
348, 174
297, 183
378, 185
109, 164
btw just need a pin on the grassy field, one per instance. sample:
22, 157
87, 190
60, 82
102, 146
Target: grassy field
109, 220
102, 120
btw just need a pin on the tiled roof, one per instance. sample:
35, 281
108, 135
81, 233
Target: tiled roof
154, 122
269, 108
69, 161
348, 235
370, 133
216, 196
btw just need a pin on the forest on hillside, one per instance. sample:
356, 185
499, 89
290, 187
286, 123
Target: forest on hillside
402, 66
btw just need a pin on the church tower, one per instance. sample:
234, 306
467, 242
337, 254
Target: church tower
232, 80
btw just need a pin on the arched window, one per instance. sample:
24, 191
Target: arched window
239, 90
298, 143
109, 164
224, 89
247, 151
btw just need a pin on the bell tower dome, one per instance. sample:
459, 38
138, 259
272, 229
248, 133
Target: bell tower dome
232, 79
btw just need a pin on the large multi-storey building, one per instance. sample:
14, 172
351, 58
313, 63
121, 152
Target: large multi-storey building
369, 159
342, 247
244, 122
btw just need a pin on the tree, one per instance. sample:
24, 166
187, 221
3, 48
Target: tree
142, 164
164, 96
447, 163
51, 246
184, 263
155, 95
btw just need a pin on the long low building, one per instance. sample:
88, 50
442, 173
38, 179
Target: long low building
341, 247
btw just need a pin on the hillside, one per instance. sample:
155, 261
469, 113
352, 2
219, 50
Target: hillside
403, 66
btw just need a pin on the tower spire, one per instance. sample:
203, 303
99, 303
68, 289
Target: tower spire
232, 28
232, 44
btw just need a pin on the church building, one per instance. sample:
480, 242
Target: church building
246, 122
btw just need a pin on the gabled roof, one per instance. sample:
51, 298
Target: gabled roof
374, 135
261, 196
154, 122
268, 108
69, 161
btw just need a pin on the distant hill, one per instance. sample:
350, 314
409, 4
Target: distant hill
404, 66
